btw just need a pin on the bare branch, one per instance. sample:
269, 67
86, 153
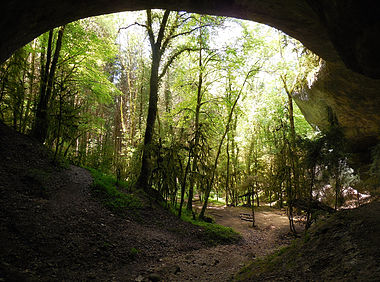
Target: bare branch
190, 31
217, 99
135, 23
184, 109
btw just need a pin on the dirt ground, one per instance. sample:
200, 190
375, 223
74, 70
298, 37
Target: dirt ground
342, 247
53, 229
220, 263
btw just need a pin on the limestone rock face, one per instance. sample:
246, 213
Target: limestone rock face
351, 97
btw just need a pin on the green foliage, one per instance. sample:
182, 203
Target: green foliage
214, 234
100, 99
133, 252
264, 264
104, 187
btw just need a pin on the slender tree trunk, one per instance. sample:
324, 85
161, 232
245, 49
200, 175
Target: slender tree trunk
59, 127
211, 182
257, 195
183, 186
292, 148
152, 112
145, 172
228, 171
141, 102
196, 127
253, 207
41, 108
31, 88
42, 119
309, 215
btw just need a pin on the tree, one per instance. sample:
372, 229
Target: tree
40, 128
203, 62
159, 44
227, 127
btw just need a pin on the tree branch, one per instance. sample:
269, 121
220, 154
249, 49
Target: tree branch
149, 27
164, 22
172, 58
190, 31
136, 23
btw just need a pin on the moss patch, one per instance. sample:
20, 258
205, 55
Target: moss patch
213, 234
113, 197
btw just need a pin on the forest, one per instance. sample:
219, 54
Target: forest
164, 145
183, 106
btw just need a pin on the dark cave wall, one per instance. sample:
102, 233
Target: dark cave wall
353, 28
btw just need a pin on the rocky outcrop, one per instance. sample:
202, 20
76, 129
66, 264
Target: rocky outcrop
351, 98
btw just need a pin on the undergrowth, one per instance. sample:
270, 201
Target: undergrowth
264, 264
104, 187
214, 233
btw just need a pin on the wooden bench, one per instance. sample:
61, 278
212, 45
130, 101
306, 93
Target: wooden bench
246, 217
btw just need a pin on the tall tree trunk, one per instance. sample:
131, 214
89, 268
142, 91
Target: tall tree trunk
183, 186
152, 112
253, 207
145, 172
59, 127
228, 170
45, 67
31, 87
42, 119
309, 215
213, 171
292, 193
196, 137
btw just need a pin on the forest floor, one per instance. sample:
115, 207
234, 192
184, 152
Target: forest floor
53, 229
220, 263
342, 247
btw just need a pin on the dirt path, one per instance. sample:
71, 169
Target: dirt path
220, 263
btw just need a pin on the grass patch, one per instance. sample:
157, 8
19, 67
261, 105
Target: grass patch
214, 234
104, 187
267, 264
215, 202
